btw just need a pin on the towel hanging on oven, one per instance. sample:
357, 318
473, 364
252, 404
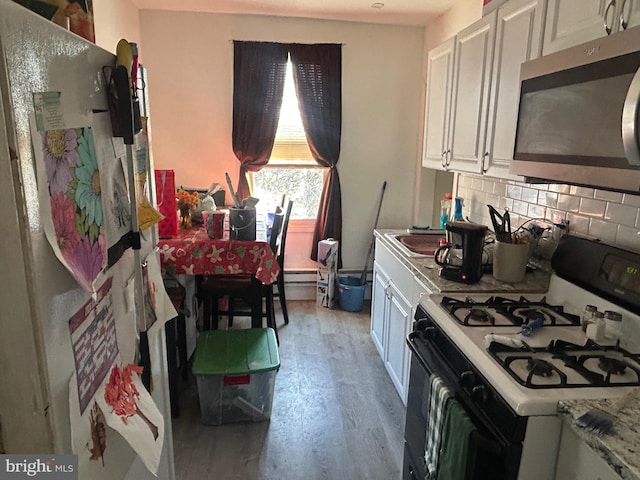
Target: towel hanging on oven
438, 400
454, 462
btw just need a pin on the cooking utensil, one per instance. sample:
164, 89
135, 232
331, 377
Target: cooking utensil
600, 420
506, 222
363, 276
234, 197
529, 327
497, 227
250, 202
501, 224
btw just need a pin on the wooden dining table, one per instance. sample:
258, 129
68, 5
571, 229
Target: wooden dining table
192, 252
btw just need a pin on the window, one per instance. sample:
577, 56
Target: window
291, 168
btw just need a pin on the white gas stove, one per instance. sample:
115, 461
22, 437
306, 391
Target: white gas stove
510, 358
539, 393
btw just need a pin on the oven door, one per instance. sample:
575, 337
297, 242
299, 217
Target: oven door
496, 445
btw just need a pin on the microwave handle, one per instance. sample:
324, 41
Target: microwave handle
630, 114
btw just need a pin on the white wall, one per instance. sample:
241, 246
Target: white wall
462, 14
190, 61
113, 20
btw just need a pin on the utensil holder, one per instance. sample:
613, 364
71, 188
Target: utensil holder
510, 261
242, 223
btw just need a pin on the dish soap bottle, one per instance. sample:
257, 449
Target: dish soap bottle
445, 209
457, 214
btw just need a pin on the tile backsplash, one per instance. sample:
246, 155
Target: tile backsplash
611, 217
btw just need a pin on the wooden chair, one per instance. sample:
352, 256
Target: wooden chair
245, 288
287, 205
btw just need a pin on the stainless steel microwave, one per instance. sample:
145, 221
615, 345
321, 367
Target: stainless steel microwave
578, 115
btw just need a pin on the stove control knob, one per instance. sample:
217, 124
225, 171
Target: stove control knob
479, 393
467, 379
430, 333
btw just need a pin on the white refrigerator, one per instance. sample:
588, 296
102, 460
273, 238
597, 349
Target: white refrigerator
38, 295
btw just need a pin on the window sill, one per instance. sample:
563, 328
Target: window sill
301, 225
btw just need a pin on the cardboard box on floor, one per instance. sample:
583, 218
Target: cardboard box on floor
327, 267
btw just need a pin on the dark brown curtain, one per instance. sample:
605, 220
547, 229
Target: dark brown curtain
317, 72
258, 82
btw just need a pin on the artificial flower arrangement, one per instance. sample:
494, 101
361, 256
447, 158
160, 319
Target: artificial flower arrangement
186, 202
186, 199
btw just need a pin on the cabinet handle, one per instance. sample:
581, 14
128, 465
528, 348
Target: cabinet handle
448, 157
607, 28
444, 159
624, 23
485, 157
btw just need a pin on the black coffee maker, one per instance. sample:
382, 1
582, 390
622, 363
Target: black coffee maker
461, 258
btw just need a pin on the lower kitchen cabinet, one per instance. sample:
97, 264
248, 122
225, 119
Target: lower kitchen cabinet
392, 315
578, 461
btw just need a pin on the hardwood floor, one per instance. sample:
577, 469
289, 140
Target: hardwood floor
336, 414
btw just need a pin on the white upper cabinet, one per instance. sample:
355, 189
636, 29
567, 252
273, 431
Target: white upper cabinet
471, 86
571, 22
438, 105
473, 89
518, 39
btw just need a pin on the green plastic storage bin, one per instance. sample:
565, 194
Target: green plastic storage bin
236, 372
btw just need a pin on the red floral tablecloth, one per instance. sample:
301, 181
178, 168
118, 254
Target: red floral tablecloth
194, 253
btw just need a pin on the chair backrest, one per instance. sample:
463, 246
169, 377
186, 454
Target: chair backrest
287, 206
276, 231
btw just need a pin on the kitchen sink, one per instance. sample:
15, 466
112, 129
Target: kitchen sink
417, 245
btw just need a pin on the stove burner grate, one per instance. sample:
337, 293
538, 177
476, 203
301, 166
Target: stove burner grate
540, 367
612, 366
514, 311
620, 367
479, 315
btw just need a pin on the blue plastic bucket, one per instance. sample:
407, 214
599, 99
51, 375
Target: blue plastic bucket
351, 294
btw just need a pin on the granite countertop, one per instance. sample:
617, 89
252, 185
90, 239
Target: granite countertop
427, 271
620, 447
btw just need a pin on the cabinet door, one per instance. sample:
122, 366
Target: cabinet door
518, 39
379, 308
628, 14
438, 104
577, 461
397, 331
467, 132
571, 22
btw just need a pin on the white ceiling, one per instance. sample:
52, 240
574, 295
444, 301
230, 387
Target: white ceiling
397, 12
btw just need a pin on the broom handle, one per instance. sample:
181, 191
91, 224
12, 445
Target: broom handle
363, 276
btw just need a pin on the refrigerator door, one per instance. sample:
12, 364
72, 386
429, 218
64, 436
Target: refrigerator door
39, 296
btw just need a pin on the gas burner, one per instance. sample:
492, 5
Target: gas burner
478, 315
612, 366
539, 367
562, 364
502, 311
